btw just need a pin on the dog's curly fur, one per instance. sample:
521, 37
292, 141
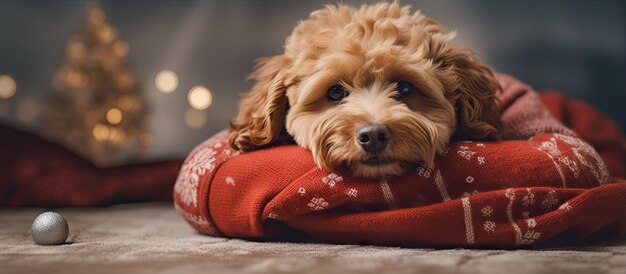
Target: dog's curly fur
367, 51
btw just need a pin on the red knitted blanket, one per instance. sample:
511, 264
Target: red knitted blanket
543, 181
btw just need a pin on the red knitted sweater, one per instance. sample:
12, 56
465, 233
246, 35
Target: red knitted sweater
544, 181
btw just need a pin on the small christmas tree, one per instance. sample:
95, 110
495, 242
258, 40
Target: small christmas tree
96, 108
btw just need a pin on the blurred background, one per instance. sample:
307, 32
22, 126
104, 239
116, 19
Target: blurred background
120, 81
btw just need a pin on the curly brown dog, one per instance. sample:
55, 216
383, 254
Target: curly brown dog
373, 90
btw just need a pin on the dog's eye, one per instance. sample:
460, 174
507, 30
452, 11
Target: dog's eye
336, 93
404, 89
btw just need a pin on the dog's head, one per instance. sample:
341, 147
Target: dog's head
374, 89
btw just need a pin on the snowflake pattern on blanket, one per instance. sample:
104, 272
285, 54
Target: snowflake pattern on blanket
506, 194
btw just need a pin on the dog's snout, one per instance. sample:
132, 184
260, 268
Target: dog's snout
373, 138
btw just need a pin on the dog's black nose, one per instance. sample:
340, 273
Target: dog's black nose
373, 138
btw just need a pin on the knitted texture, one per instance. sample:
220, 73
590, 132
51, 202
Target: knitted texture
524, 115
503, 194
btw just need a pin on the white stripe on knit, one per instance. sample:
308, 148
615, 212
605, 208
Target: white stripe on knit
441, 186
391, 201
509, 213
467, 213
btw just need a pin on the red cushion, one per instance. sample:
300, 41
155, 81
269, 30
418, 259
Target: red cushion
503, 194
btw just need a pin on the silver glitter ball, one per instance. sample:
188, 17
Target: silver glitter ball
50, 228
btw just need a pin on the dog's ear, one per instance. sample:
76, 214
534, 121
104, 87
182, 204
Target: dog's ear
473, 90
262, 110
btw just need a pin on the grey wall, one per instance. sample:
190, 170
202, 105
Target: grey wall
576, 46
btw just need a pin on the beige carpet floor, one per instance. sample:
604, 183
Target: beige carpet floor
153, 238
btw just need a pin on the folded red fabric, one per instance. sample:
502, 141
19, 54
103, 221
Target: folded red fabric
37, 172
544, 181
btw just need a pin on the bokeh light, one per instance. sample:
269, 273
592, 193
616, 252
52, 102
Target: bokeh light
166, 81
96, 16
145, 139
199, 98
120, 48
106, 34
116, 134
195, 119
76, 49
7, 86
100, 132
114, 116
